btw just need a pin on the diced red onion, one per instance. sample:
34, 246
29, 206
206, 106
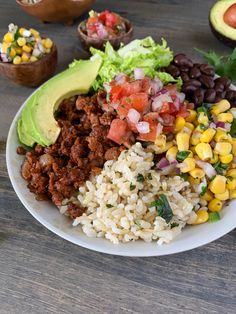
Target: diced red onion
4, 57
168, 170
120, 78
158, 101
159, 129
181, 96
101, 31
143, 127
227, 126
138, 74
163, 162
133, 116
220, 124
212, 125
207, 167
156, 85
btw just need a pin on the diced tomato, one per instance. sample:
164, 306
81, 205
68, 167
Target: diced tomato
119, 131
183, 111
168, 129
168, 119
151, 136
116, 93
111, 19
139, 101
132, 88
151, 117
124, 107
102, 16
91, 24
146, 84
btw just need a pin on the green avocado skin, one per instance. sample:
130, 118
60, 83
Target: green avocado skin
37, 123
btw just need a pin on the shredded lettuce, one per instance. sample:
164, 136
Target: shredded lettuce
139, 53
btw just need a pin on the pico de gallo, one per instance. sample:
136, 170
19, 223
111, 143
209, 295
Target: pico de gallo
145, 108
105, 25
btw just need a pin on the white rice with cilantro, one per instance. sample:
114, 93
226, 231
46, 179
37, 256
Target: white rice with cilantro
122, 202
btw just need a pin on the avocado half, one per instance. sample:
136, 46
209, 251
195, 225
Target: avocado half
37, 123
222, 19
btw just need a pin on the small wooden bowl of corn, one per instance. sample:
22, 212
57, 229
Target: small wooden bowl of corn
26, 58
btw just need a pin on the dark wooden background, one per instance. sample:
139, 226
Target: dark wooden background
42, 273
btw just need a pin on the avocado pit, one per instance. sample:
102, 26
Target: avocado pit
230, 16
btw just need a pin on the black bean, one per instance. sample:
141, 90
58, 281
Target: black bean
198, 96
224, 81
194, 82
188, 88
233, 103
210, 95
207, 70
220, 96
230, 95
207, 81
173, 70
219, 87
197, 65
182, 60
194, 73
184, 68
184, 77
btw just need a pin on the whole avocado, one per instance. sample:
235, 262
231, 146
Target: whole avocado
222, 19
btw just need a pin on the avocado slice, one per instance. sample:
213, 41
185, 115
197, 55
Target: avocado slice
223, 21
37, 123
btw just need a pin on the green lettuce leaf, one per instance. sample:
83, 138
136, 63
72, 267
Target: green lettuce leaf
139, 53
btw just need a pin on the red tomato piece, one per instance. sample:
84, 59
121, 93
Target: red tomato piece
183, 111
151, 136
146, 84
172, 89
132, 88
116, 93
119, 131
151, 117
111, 19
124, 107
139, 101
168, 119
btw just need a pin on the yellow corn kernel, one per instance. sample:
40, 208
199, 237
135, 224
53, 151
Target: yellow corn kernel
189, 165
204, 151
223, 196
25, 57
21, 31
27, 48
231, 173
193, 180
179, 124
230, 183
34, 32
202, 118
182, 140
160, 140
226, 159
234, 147
5, 46
199, 129
195, 138
207, 135
214, 159
225, 117
171, 153
207, 196
12, 53
192, 115
189, 125
21, 41
160, 150
8, 37
215, 205
220, 135
202, 216
17, 60
197, 173
33, 59
18, 50
218, 184
223, 148
48, 43
229, 139
221, 106
232, 194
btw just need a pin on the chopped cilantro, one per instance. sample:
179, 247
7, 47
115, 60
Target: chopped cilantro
109, 205
182, 155
132, 187
140, 177
215, 216
149, 176
137, 223
163, 207
128, 100
232, 131
184, 176
229, 178
220, 167
203, 190
202, 126
205, 110
174, 224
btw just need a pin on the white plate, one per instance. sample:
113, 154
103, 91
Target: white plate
48, 215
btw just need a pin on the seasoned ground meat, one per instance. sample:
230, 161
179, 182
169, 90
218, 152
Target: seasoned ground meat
57, 171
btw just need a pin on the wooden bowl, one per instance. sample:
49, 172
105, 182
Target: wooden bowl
98, 43
31, 74
57, 10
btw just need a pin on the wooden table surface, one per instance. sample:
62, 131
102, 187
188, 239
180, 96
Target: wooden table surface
42, 273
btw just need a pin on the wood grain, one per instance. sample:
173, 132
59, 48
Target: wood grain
40, 272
